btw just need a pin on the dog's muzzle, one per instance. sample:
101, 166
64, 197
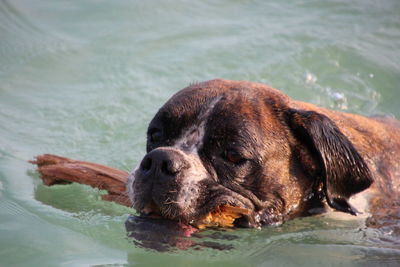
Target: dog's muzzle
168, 182
175, 184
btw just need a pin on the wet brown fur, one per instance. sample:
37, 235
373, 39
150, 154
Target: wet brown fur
377, 140
293, 158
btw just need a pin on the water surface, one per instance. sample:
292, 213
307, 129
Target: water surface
83, 78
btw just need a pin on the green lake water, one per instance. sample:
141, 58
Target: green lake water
82, 79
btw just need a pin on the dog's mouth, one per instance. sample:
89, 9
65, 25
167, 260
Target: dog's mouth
221, 216
151, 210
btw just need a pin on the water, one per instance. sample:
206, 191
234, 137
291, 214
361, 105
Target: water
83, 78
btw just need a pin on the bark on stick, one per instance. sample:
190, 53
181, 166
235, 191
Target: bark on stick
54, 169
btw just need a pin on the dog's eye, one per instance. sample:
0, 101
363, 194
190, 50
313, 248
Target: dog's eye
233, 156
155, 136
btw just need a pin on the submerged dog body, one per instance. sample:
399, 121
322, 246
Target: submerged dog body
248, 145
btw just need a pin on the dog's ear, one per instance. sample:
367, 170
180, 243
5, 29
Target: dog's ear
343, 171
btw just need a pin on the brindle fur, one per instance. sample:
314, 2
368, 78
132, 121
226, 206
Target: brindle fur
297, 155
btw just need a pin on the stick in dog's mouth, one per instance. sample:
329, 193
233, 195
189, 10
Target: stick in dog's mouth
222, 216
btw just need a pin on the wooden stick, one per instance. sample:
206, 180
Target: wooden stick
60, 170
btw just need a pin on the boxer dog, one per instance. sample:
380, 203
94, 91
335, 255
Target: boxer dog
248, 145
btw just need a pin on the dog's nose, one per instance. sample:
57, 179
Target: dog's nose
162, 163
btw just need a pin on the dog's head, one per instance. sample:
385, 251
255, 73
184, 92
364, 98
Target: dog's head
241, 144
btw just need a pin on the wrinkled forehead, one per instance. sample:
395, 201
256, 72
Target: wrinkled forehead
225, 102
243, 114
230, 108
